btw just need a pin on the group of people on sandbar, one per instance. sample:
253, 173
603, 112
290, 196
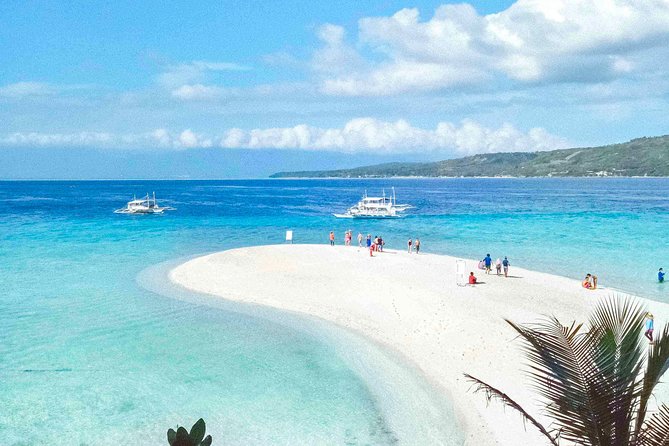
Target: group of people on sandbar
486, 264
589, 282
500, 264
413, 245
374, 244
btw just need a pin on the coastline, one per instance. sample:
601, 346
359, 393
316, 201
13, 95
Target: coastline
410, 304
404, 397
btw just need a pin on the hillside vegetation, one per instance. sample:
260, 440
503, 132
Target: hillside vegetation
639, 157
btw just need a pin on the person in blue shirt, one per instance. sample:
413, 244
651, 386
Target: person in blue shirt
505, 264
649, 327
488, 263
660, 276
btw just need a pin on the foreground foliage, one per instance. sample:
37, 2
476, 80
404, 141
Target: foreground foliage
595, 385
181, 437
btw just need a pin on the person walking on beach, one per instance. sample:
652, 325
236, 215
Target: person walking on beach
505, 264
331, 238
649, 327
660, 276
488, 263
417, 244
498, 266
410, 247
381, 243
359, 240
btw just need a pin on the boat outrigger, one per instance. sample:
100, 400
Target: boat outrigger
376, 207
146, 205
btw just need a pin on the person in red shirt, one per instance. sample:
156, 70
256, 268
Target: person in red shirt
472, 278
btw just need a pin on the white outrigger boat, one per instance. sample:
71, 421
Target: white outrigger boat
376, 207
146, 205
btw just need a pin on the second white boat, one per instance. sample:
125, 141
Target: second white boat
376, 207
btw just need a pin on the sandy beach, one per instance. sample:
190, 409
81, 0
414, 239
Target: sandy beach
412, 304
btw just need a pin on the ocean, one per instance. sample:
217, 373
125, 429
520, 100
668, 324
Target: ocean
95, 347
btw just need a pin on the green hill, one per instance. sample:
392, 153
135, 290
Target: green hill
639, 157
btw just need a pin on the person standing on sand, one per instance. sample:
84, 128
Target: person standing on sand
331, 238
505, 264
498, 266
488, 263
369, 240
410, 248
359, 240
649, 327
417, 244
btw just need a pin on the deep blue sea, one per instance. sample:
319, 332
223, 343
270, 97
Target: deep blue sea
89, 356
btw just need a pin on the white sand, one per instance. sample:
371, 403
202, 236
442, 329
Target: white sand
412, 304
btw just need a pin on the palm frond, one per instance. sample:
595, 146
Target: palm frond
656, 431
658, 363
616, 324
564, 375
493, 393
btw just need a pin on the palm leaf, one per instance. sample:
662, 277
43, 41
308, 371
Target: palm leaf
658, 363
617, 353
656, 431
564, 375
493, 393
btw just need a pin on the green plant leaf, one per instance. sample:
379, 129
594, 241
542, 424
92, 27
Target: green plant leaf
171, 436
206, 441
183, 439
197, 431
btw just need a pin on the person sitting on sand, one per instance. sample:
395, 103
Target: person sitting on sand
649, 327
590, 282
472, 278
660, 276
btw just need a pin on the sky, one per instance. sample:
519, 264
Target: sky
293, 84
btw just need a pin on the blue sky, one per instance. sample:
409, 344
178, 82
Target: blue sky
387, 79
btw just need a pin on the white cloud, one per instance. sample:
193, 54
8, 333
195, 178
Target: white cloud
357, 135
194, 72
57, 139
336, 56
531, 41
198, 92
158, 138
26, 89
372, 135
188, 139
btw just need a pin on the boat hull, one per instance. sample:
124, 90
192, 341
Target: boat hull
369, 217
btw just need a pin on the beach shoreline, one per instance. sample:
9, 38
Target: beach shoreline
411, 305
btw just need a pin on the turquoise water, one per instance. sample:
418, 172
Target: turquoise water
89, 356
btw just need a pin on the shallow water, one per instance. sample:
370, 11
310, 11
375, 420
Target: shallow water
88, 355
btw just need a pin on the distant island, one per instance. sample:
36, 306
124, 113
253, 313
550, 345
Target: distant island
638, 157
